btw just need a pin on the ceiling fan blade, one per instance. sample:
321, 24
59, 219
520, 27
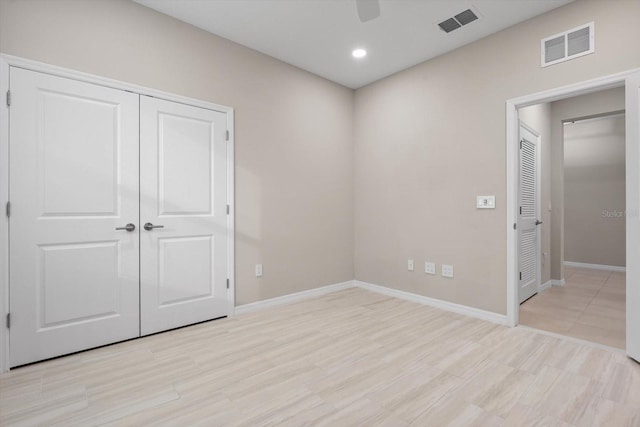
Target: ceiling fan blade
368, 9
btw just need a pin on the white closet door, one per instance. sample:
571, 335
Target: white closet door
529, 213
183, 192
73, 181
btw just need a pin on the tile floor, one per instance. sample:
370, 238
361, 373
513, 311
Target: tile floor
350, 358
591, 307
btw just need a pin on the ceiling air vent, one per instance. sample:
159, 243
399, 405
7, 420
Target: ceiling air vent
570, 44
466, 17
457, 21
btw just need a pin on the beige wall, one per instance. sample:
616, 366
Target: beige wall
592, 104
294, 198
431, 138
538, 118
594, 191
426, 141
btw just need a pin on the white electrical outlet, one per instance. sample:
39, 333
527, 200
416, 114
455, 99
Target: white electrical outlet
410, 265
258, 270
430, 267
447, 270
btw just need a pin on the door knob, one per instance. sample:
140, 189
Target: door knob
148, 226
538, 222
128, 227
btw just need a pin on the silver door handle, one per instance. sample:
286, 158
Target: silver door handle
538, 222
148, 226
128, 227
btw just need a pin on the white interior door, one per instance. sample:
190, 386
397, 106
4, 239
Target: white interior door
73, 181
528, 224
183, 192
632, 95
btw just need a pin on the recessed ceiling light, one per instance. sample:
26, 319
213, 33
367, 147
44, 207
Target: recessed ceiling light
359, 53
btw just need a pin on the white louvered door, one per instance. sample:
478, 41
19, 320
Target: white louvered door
529, 254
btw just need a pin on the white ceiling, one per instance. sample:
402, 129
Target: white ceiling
319, 35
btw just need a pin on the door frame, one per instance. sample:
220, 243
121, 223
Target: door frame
631, 81
534, 132
7, 61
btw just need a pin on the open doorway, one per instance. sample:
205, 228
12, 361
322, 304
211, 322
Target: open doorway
578, 221
630, 80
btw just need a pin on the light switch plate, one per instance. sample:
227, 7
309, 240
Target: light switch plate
486, 202
258, 270
410, 264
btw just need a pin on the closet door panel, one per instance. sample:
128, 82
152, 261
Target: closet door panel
183, 202
73, 181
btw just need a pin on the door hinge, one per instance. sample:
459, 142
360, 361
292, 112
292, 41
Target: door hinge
227, 135
521, 275
8, 209
227, 283
515, 227
8, 320
227, 209
8, 98
521, 141
520, 210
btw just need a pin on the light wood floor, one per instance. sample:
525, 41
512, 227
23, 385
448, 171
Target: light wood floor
591, 307
348, 358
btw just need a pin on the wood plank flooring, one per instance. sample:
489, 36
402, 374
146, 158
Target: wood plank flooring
348, 358
591, 306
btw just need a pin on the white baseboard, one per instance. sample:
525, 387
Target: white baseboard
436, 303
594, 266
555, 282
408, 296
544, 286
287, 299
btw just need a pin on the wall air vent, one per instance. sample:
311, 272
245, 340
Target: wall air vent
457, 21
570, 44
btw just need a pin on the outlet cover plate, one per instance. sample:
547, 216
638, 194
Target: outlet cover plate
447, 270
430, 267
